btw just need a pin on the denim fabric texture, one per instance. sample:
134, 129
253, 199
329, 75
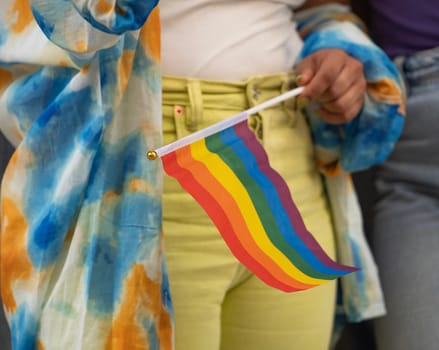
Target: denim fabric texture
405, 232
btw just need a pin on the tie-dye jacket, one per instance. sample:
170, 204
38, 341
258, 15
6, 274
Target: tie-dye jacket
357, 145
81, 245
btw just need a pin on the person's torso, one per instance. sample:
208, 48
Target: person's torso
228, 40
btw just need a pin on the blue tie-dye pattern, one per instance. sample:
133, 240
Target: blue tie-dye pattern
81, 60
129, 16
104, 282
145, 68
100, 259
369, 141
53, 137
47, 239
365, 141
121, 165
153, 340
166, 296
369, 138
90, 137
3, 34
108, 73
23, 329
45, 26
128, 210
81, 202
369, 57
130, 41
360, 277
30, 97
141, 242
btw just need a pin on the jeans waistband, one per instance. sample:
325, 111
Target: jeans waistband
420, 69
195, 95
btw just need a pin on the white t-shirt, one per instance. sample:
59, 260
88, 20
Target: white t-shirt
228, 39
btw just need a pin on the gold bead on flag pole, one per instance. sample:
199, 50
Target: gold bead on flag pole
151, 155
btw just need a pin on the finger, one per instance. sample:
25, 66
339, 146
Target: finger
305, 70
351, 75
343, 102
350, 110
351, 93
323, 79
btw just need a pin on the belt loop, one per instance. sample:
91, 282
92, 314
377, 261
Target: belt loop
253, 96
194, 117
252, 92
290, 105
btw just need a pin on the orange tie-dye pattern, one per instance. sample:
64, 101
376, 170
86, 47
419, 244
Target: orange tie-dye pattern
57, 93
81, 46
110, 195
165, 329
14, 254
103, 7
40, 345
84, 70
125, 68
5, 78
150, 34
139, 292
22, 13
387, 90
140, 185
69, 235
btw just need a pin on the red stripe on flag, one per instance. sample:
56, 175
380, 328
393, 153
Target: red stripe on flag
217, 212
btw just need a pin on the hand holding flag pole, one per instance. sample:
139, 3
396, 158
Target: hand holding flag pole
226, 170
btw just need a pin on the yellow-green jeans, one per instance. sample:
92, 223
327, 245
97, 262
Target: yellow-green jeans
218, 303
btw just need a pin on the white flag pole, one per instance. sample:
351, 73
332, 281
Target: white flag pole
224, 124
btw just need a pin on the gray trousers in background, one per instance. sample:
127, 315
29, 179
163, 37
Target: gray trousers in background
5, 153
404, 230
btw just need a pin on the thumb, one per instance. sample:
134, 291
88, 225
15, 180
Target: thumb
305, 70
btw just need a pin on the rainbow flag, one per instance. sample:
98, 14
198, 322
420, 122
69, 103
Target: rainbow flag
229, 175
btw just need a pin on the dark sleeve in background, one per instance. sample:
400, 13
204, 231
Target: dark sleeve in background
361, 9
5, 153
